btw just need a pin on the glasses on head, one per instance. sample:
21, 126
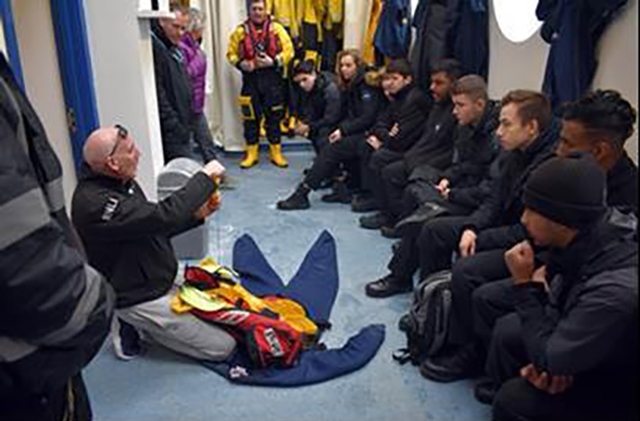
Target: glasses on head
121, 135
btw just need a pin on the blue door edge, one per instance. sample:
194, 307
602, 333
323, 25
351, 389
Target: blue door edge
11, 40
76, 71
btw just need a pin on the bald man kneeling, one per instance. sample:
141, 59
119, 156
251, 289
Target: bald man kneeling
128, 237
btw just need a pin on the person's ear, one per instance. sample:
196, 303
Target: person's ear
533, 128
112, 165
601, 150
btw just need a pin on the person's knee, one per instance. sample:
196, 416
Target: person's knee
512, 403
506, 333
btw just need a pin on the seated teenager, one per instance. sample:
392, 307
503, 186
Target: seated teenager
434, 148
570, 349
599, 123
476, 115
127, 238
320, 104
398, 128
361, 104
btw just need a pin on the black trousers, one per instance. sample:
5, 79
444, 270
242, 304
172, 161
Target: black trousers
381, 160
491, 302
352, 151
517, 400
430, 250
70, 402
468, 274
262, 95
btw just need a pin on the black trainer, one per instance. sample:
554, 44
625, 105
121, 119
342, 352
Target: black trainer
297, 201
387, 286
364, 204
404, 324
420, 216
485, 391
340, 194
453, 364
374, 221
390, 231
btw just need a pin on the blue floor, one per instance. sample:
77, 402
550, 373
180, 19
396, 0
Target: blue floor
163, 386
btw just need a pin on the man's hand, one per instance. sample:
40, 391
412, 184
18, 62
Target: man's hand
263, 61
302, 129
335, 136
443, 188
374, 142
247, 66
214, 169
552, 385
520, 261
212, 205
395, 130
468, 243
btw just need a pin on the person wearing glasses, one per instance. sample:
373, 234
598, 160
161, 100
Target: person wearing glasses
127, 238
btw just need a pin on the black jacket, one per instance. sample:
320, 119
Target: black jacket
361, 104
320, 108
474, 149
435, 147
622, 185
409, 109
503, 208
55, 310
174, 95
587, 325
128, 238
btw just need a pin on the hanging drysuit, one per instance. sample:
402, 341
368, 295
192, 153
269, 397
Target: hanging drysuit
430, 21
332, 33
393, 35
368, 49
573, 29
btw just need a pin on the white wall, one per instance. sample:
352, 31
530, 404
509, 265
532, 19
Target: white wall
522, 65
34, 31
122, 60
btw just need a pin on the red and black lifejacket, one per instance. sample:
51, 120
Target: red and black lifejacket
256, 40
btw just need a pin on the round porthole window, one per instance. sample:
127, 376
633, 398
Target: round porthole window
517, 18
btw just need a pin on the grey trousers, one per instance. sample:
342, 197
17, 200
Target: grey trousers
183, 333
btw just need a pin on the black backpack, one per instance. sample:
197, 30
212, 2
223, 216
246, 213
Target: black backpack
427, 324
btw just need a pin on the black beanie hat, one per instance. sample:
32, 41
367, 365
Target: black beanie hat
569, 190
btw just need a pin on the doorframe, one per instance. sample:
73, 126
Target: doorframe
13, 49
76, 72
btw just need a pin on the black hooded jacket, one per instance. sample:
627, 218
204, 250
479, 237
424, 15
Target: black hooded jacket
409, 110
320, 108
361, 104
503, 208
587, 325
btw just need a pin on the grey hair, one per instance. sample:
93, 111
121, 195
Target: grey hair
196, 19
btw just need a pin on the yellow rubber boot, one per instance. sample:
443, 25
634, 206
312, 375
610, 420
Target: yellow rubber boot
275, 154
251, 158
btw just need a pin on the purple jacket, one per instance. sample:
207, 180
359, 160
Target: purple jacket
196, 64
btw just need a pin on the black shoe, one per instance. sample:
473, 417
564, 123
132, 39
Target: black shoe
340, 194
420, 216
456, 364
364, 204
485, 391
374, 221
297, 201
386, 287
403, 324
395, 247
390, 231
